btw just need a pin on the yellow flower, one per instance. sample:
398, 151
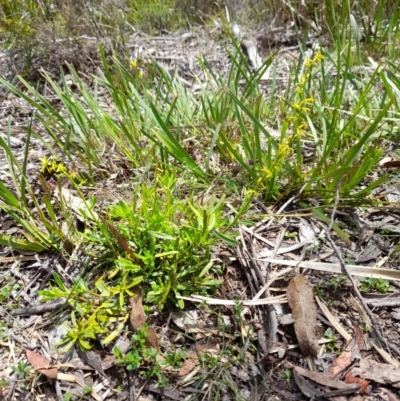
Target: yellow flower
308, 63
140, 74
301, 130
284, 148
318, 57
133, 63
45, 163
310, 100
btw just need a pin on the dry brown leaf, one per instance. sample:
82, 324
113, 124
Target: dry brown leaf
123, 243
92, 359
138, 318
152, 339
378, 372
391, 164
187, 367
41, 364
362, 382
352, 352
306, 386
198, 349
299, 294
323, 379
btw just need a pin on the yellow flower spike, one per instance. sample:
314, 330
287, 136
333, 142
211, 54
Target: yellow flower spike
267, 172
250, 192
45, 162
308, 63
318, 57
133, 63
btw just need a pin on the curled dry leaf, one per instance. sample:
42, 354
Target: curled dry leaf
41, 364
352, 352
300, 298
362, 382
138, 318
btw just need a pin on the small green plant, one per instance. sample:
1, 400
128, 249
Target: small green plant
337, 282
174, 359
209, 361
375, 284
330, 335
3, 384
287, 375
142, 359
22, 371
318, 291
67, 396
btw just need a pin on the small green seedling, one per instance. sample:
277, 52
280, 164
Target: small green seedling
22, 371
375, 284
330, 335
337, 282
287, 375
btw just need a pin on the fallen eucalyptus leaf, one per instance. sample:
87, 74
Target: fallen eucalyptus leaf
300, 298
41, 364
138, 318
352, 352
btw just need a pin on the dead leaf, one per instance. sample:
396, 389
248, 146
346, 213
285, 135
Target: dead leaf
306, 386
300, 298
41, 364
269, 359
362, 382
92, 359
152, 339
187, 367
391, 164
138, 318
197, 350
378, 372
323, 379
352, 352
123, 243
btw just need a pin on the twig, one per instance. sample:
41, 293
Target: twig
352, 281
131, 377
39, 309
